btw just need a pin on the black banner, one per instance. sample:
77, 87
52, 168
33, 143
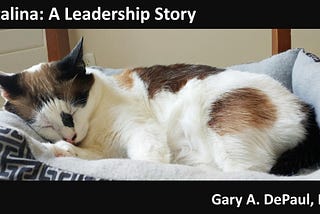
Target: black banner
202, 196
155, 14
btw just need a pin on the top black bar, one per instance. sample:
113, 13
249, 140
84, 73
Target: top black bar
143, 14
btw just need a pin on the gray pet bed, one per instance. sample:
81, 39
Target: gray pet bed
22, 156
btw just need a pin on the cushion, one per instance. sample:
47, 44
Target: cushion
278, 66
306, 79
23, 157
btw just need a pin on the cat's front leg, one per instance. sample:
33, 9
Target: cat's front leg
147, 143
62, 149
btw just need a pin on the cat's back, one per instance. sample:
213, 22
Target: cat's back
173, 78
159, 78
188, 86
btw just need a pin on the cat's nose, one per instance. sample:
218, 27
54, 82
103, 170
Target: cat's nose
72, 139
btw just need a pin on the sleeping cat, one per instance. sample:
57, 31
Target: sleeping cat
183, 113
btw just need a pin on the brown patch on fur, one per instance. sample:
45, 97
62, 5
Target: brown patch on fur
32, 86
41, 86
125, 79
241, 109
39, 81
172, 77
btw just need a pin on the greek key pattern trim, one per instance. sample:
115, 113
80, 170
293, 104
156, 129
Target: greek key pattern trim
18, 163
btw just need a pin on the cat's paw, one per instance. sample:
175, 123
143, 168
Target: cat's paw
63, 149
163, 158
145, 146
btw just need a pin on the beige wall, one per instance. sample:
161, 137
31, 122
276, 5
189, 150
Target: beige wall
137, 47
20, 49
309, 39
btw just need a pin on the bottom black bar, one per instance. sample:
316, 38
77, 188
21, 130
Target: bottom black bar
155, 196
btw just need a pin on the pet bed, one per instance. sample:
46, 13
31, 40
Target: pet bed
23, 157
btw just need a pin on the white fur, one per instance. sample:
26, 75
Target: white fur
172, 127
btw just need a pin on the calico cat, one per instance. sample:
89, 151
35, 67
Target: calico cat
182, 113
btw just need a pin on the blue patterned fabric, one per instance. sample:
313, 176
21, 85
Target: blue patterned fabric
18, 163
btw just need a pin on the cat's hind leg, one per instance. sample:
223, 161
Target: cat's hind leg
305, 155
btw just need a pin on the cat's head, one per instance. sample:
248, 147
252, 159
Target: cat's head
51, 97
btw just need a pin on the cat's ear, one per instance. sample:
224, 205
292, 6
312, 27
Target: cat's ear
10, 86
72, 64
